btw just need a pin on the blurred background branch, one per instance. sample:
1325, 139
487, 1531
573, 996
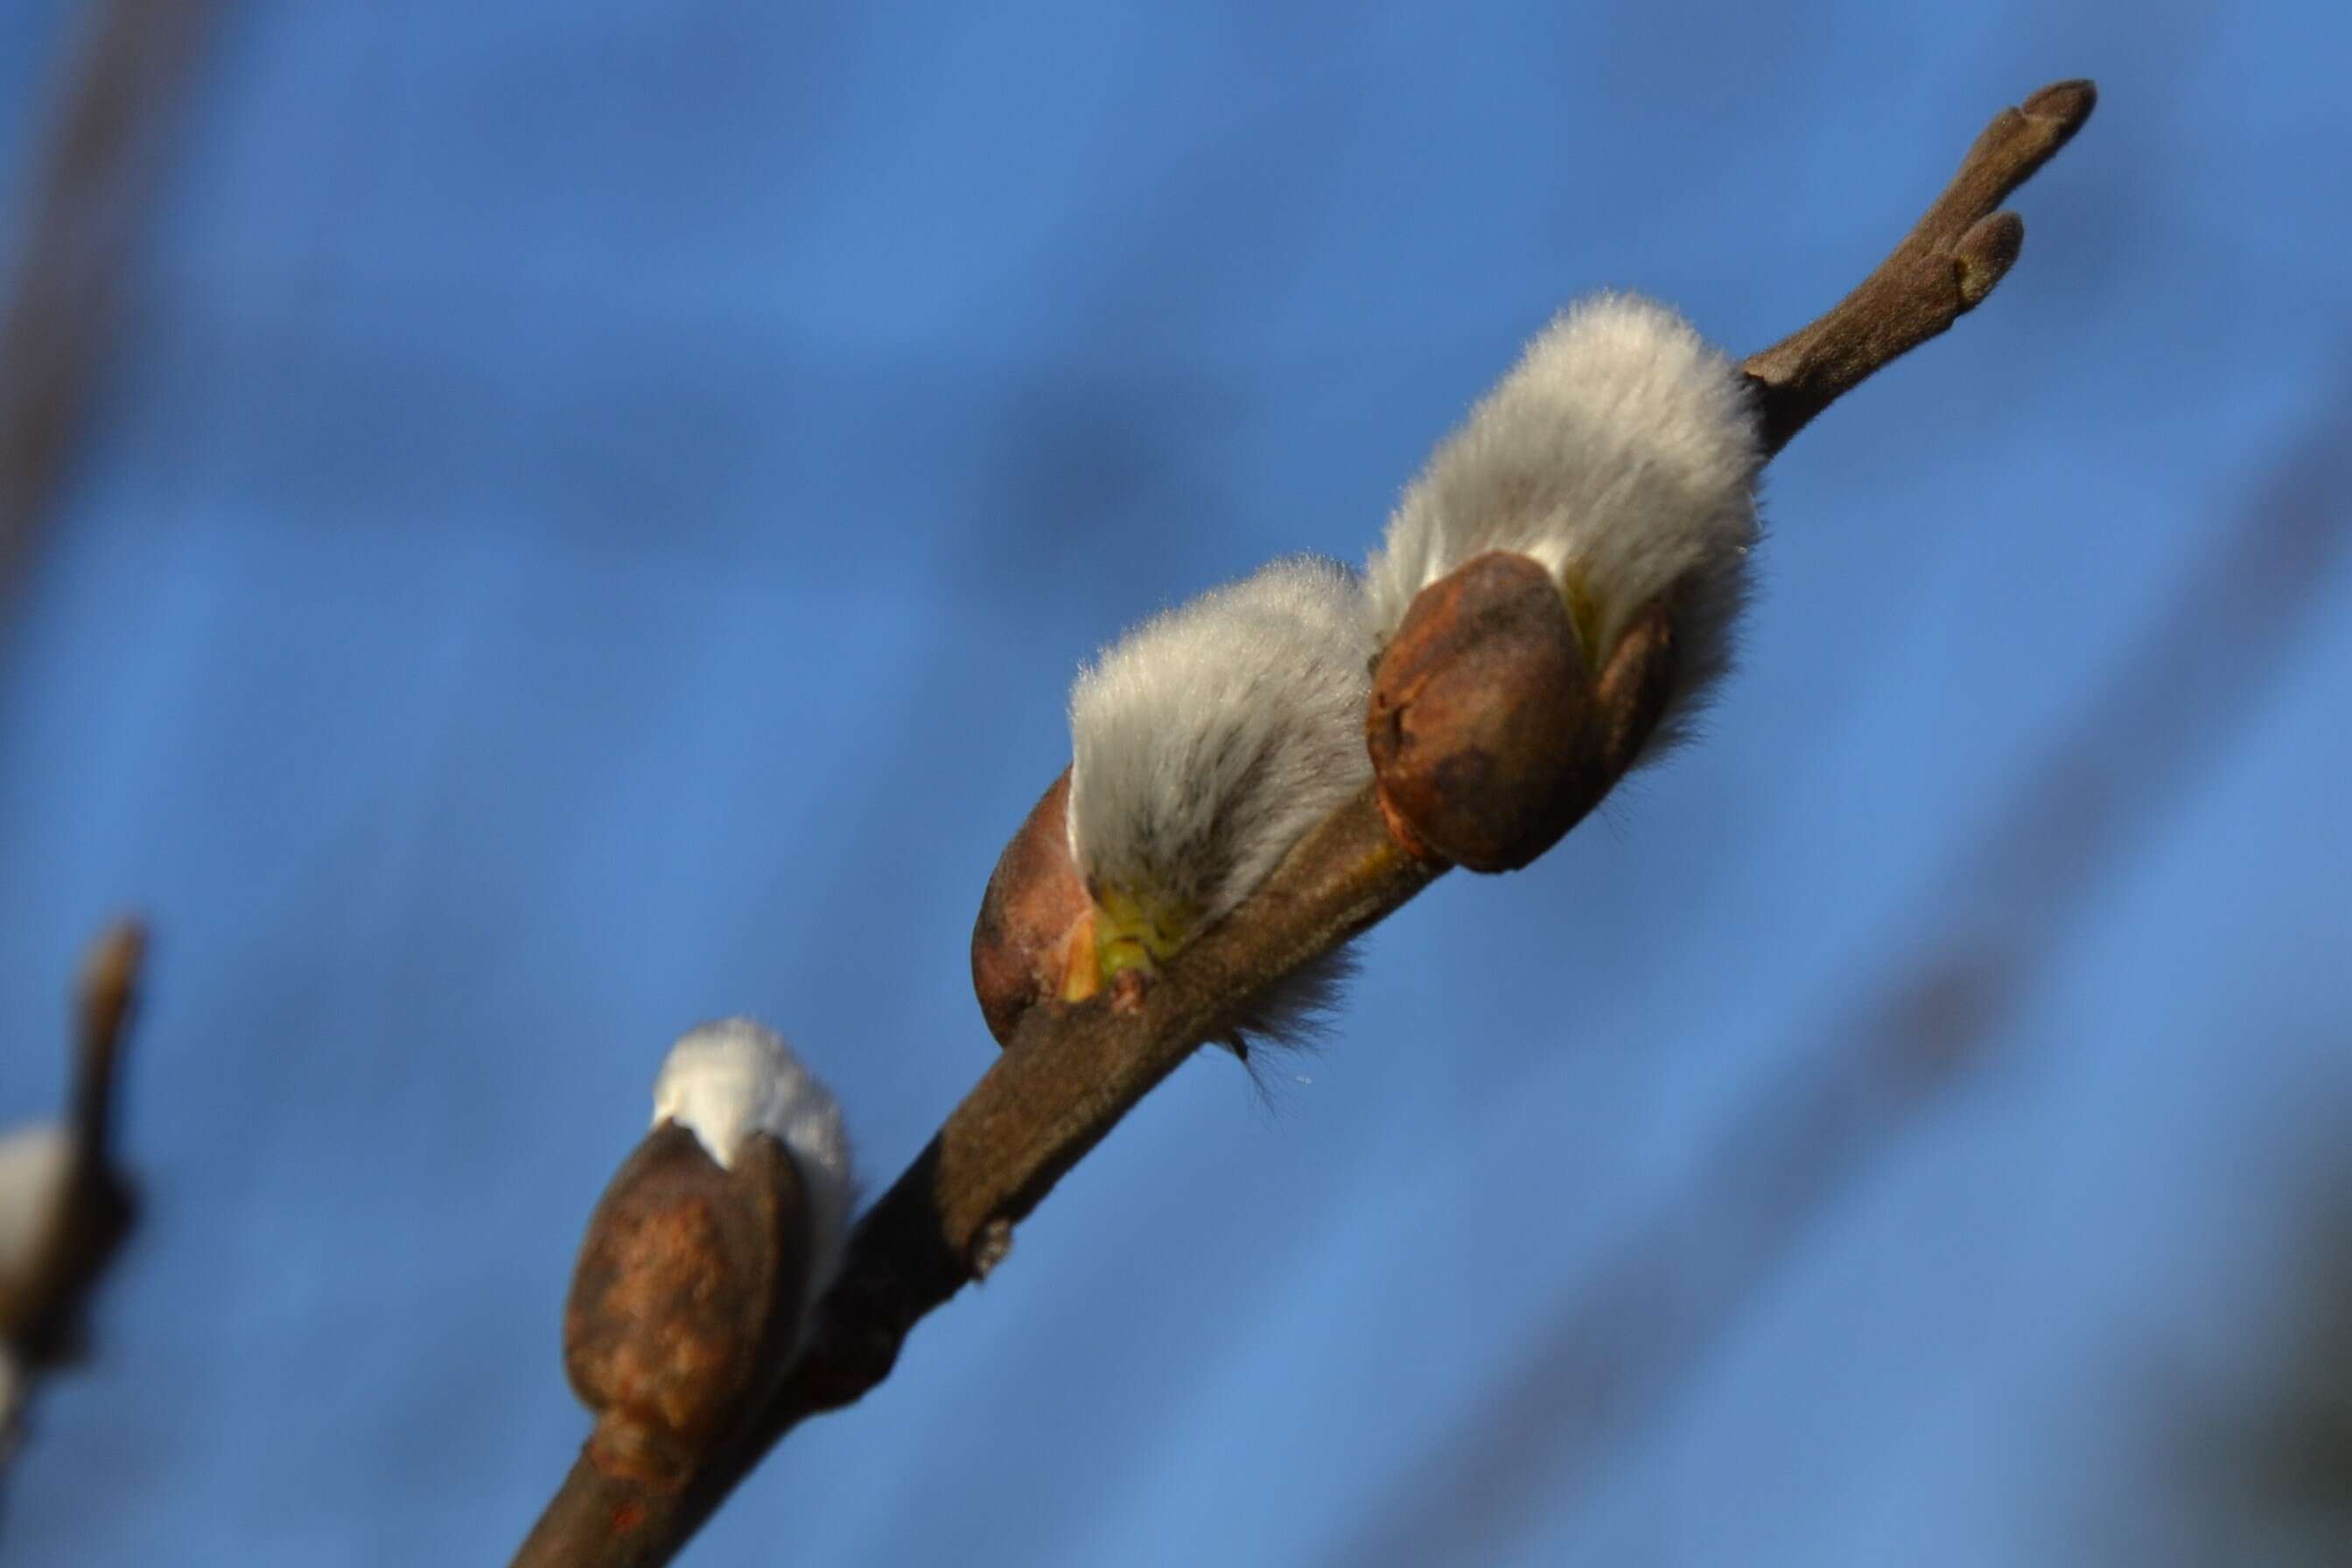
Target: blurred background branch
119, 98
115, 100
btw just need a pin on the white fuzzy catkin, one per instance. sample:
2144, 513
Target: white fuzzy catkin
35, 1164
1206, 742
1621, 453
724, 1081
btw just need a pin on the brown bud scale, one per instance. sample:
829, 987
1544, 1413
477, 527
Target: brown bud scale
1034, 937
1490, 737
688, 1285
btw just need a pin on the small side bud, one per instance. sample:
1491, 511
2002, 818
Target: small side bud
705, 1255
1489, 738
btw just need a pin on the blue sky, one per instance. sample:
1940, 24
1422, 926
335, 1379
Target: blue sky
588, 527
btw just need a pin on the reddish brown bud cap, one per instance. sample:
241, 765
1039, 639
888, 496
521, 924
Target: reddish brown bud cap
685, 1298
1489, 739
1035, 903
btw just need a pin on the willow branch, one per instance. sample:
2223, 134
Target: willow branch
1070, 1073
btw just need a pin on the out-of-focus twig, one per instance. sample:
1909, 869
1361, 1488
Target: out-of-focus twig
88, 190
82, 1207
1071, 1073
2262, 1457
1628, 1334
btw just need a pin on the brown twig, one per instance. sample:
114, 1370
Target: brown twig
39, 1311
1943, 269
1069, 1073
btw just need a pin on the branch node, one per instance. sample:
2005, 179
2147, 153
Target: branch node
991, 1247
